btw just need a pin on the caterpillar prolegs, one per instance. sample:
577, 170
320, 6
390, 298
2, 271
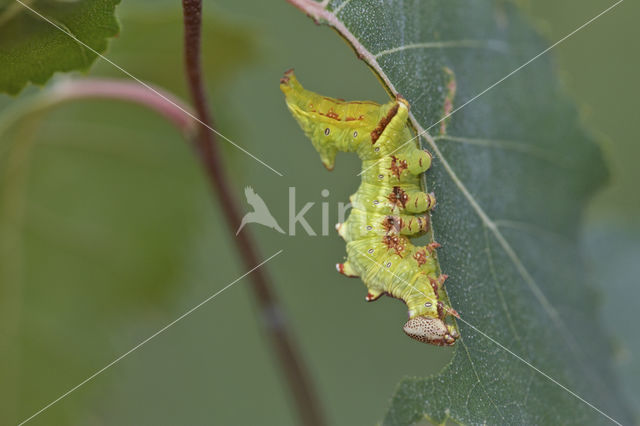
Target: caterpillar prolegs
388, 207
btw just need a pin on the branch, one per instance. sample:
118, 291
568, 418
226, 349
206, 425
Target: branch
207, 147
158, 100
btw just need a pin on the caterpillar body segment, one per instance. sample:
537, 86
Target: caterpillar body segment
389, 206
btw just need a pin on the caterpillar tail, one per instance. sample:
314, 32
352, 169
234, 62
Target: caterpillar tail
389, 207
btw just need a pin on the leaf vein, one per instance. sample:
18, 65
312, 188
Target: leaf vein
340, 7
502, 144
475, 372
496, 45
505, 307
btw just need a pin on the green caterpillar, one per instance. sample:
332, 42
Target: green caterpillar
388, 207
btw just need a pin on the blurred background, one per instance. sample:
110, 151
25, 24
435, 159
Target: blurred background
108, 230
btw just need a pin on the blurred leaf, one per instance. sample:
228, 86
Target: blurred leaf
101, 206
32, 49
92, 231
614, 250
512, 173
151, 46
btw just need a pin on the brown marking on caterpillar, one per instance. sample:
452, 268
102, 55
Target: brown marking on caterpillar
427, 222
361, 117
397, 166
342, 101
423, 223
331, 114
386, 293
432, 246
285, 78
372, 297
394, 242
441, 310
421, 257
400, 98
359, 102
398, 197
432, 200
434, 286
375, 133
392, 223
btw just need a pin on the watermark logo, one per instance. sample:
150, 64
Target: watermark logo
260, 213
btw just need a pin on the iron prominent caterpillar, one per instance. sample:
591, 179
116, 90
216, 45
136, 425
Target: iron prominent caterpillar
389, 206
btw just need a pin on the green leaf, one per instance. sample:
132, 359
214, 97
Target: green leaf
32, 49
512, 173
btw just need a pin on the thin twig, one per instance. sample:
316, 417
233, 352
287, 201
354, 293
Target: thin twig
207, 147
98, 88
129, 91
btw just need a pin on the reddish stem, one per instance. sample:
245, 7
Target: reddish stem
207, 147
164, 103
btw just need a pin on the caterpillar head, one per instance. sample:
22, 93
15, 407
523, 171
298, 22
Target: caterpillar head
329, 122
431, 330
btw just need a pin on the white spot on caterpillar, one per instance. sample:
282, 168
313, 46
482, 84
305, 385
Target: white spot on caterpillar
370, 250
355, 134
327, 131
